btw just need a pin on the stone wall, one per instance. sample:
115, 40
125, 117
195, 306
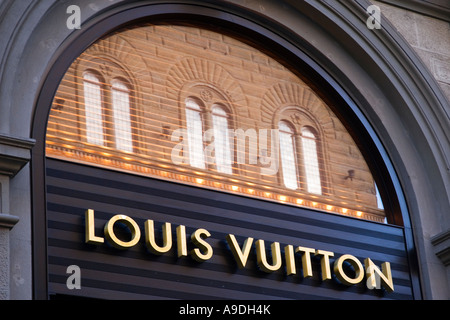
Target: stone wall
429, 36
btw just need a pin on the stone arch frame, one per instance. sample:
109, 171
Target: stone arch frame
388, 63
189, 72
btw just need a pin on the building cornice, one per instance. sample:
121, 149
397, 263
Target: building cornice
14, 154
7, 220
441, 242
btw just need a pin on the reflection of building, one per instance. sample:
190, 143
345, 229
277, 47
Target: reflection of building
119, 119
127, 98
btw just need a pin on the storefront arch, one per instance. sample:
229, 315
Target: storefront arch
409, 97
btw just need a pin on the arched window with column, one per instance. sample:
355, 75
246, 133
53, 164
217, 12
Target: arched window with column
300, 169
107, 119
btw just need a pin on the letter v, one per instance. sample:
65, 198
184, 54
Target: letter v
240, 256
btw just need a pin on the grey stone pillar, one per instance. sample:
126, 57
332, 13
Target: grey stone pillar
14, 154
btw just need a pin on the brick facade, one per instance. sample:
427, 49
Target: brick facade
163, 66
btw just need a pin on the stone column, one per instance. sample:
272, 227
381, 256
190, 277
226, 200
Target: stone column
14, 154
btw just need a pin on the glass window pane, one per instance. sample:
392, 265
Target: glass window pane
287, 153
311, 162
121, 116
194, 128
93, 109
221, 140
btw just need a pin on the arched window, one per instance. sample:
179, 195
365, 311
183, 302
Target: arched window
121, 116
287, 153
222, 146
311, 161
194, 127
93, 109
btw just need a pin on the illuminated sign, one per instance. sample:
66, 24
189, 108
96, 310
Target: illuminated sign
203, 251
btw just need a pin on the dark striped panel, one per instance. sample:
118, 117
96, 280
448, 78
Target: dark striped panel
135, 273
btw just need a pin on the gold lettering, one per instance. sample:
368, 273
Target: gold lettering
130, 224
239, 255
261, 256
290, 260
150, 238
325, 263
197, 239
376, 278
340, 273
306, 260
90, 236
181, 241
